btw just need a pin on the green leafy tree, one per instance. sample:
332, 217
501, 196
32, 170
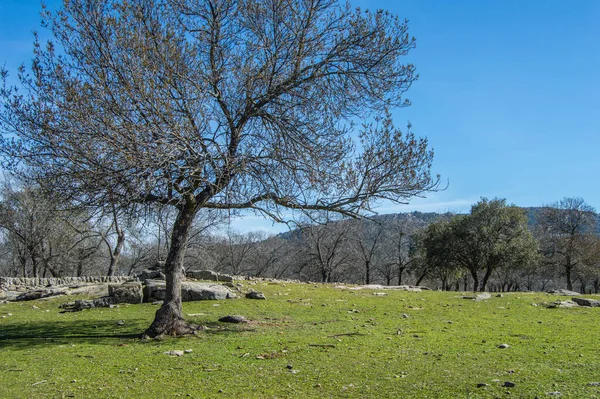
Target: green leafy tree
492, 236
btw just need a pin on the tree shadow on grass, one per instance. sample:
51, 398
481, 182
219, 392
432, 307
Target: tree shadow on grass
22, 335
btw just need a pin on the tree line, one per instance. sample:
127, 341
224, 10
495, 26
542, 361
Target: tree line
497, 246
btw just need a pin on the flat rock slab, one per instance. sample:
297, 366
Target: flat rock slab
208, 275
562, 304
154, 290
586, 302
564, 292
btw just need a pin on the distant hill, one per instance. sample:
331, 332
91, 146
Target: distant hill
423, 219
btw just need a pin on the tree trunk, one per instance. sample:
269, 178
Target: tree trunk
169, 317
486, 277
367, 272
568, 274
116, 254
475, 280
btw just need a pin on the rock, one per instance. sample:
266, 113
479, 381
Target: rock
255, 295
154, 290
483, 296
208, 275
38, 294
130, 292
174, 353
472, 297
562, 304
233, 319
563, 292
3, 294
482, 384
405, 316
593, 384
509, 384
411, 288
555, 393
148, 274
586, 302
81, 304
503, 346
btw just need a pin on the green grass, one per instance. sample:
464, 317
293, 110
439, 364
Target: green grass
445, 347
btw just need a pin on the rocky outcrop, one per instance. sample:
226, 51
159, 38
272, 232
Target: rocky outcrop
154, 290
208, 275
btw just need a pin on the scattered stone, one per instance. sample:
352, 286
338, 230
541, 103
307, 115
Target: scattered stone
499, 295
593, 384
503, 346
411, 288
121, 322
482, 384
472, 297
255, 295
233, 319
586, 302
174, 353
379, 294
509, 384
555, 393
405, 316
81, 304
289, 367
188, 351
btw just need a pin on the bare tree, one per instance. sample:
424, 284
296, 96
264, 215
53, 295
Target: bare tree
328, 251
220, 104
367, 236
567, 225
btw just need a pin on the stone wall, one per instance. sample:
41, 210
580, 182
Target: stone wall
24, 283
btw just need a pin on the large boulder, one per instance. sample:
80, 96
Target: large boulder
208, 275
154, 290
130, 292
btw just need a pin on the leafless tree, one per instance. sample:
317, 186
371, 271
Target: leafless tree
567, 226
221, 104
367, 236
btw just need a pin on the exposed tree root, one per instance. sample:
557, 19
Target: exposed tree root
168, 321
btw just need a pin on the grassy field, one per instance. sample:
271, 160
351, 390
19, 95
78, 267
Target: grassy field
308, 341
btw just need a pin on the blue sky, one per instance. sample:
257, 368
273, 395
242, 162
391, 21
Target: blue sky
508, 95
